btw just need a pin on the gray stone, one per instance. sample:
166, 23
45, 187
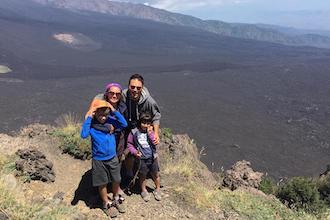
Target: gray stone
242, 175
33, 163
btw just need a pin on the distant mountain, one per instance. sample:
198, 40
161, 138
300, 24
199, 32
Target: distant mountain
246, 31
295, 31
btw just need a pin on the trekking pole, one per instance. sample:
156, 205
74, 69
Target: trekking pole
132, 182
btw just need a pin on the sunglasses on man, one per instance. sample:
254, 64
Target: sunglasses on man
137, 87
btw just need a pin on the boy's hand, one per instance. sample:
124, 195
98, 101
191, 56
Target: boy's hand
111, 128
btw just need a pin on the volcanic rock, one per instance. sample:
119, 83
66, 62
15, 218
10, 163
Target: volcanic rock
33, 163
242, 175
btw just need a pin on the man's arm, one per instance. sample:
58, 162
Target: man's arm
156, 137
153, 106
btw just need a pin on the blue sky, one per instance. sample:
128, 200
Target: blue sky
307, 14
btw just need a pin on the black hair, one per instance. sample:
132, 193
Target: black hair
136, 76
104, 110
145, 117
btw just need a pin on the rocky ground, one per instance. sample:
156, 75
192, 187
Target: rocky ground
72, 183
190, 190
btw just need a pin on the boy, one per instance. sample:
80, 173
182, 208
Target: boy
105, 164
140, 143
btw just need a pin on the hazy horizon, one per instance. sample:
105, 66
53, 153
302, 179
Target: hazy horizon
301, 14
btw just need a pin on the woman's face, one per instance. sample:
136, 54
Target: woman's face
114, 95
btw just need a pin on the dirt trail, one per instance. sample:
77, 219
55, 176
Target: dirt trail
74, 182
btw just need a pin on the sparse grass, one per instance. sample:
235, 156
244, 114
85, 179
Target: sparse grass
70, 140
196, 195
17, 210
192, 189
184, 167
256, 206
243, 203
14, 209
167, 133
7, 164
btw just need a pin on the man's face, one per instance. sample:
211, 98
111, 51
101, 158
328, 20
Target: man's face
135, 87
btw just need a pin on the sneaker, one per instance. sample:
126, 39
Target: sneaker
157, 195
110, 211
119, 206
121, 196
145, 196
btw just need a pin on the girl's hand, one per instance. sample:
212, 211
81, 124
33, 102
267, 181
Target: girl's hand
150, 128
139, 154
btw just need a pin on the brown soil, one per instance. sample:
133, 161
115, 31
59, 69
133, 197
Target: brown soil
73, 179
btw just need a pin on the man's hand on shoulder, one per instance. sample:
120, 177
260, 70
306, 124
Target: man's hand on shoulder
156, 140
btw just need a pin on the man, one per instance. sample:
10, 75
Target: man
138, 99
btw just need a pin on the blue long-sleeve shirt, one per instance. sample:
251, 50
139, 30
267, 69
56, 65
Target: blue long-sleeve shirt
103, 143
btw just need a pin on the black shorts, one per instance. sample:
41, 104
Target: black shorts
149, 166
105, 171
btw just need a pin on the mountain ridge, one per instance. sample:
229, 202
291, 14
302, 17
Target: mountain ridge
245, 31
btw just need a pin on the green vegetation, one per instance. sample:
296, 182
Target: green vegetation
301, 193
268, 186
167, 133
70, 141
324, 189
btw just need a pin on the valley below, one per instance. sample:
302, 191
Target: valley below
237, 98
276, 116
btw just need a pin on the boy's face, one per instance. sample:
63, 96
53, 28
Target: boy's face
102, 114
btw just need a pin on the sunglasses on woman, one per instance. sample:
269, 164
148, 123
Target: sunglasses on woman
114, 93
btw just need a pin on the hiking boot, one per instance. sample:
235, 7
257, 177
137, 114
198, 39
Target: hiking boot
119, 206
157, 195
110, 211
145, 196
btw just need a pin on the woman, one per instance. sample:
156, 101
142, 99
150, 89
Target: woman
112, 95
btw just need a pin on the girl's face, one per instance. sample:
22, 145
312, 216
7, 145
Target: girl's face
102, 114
145, 125
114, 95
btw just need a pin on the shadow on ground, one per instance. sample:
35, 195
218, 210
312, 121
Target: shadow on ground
86, 192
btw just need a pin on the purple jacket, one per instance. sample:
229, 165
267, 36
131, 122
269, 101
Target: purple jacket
131, 143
